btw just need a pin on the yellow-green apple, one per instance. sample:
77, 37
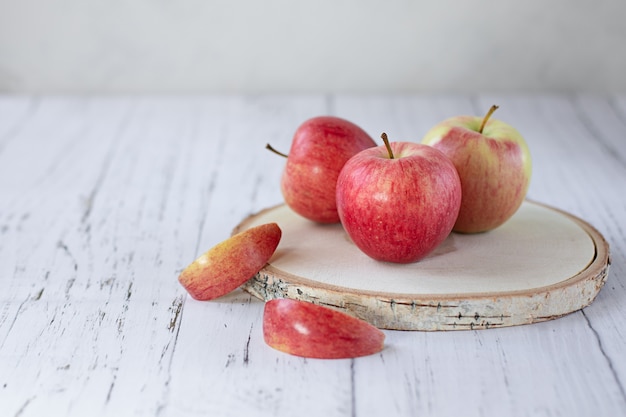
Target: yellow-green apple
305, 329
399, 201
319, 149
231, 262
494, 164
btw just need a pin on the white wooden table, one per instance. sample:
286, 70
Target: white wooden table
103, 200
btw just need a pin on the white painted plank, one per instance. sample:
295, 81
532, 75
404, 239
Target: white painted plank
104, 200
519, 371
106, 320
14, 112
223, 367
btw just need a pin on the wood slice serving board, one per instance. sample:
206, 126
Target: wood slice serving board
540, 265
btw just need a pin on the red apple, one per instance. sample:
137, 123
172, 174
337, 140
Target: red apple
398, 202
230, 263
494, 165
319, 149
304, 329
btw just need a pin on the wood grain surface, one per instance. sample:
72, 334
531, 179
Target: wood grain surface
104, 200
540, 265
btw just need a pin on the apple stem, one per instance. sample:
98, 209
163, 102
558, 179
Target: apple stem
387, 145
487, 116
268, 146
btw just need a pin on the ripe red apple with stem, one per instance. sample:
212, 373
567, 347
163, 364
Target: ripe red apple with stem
493, 162
399, 201
319, 149
231, 262
305, 329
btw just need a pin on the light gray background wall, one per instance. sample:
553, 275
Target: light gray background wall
172, 46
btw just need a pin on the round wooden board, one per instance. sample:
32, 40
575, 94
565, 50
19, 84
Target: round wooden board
540, 265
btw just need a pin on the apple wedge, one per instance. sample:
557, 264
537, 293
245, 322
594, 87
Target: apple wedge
309, 330
227, 265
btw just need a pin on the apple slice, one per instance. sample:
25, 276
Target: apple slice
305, 329
227, 265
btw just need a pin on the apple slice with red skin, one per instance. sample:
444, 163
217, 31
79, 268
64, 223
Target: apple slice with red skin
227, 265
309, 330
